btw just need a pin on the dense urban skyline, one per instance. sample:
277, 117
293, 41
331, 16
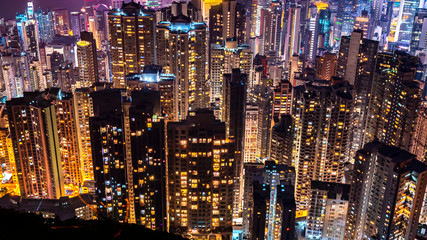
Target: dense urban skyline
218, 119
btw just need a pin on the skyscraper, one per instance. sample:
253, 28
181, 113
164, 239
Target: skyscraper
419, 31
87, 60
251, 133
233, 111
147, 144
269, 203
61, 20
271, 29
362, 23
262, 97
327, 211
356, 64
45, 25
326, 66
227, 21
109, 155
419, 139
282, 99
132, 39
181, 50
292, 40
67, 135
282, 141
387, 191
224, 58
33, 125
82, 112
200, 170
322, 129
395, 98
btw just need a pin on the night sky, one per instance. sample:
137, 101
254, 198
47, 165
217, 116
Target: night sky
9, 8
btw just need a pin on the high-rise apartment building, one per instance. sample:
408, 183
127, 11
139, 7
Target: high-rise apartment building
45, 25
147, 147
269, 203
282, 99
87, 60
419, 138
362, 23
132, 36
251, 133
107, 135
67, 135
271, 27
233, 112
327, 211
61, 20
224, 58
82, 112
181, 51
419, 31
227, 21
326, 66
200, 171
292, 39
356, 64
33, 126
395, 98
262, 97
322, 129
387, 192
282, 141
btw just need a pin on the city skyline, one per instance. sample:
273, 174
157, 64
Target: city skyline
218, 119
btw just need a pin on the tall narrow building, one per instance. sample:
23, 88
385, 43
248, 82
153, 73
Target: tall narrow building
272, 27
251, 133
67, 135
395, 98
269, 203
132, 36
282, 99
227, 20
327, 212
82, 112
322, 128
224, 58
32, 122
326, 66
107, 136
356, 64
292, 39
147, 144
282, 141
387, 192
262, 97
235, 94
200, 170
181, 50
87, 60
419, 138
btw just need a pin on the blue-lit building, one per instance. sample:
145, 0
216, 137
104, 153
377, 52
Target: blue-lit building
324, 28
181, 50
